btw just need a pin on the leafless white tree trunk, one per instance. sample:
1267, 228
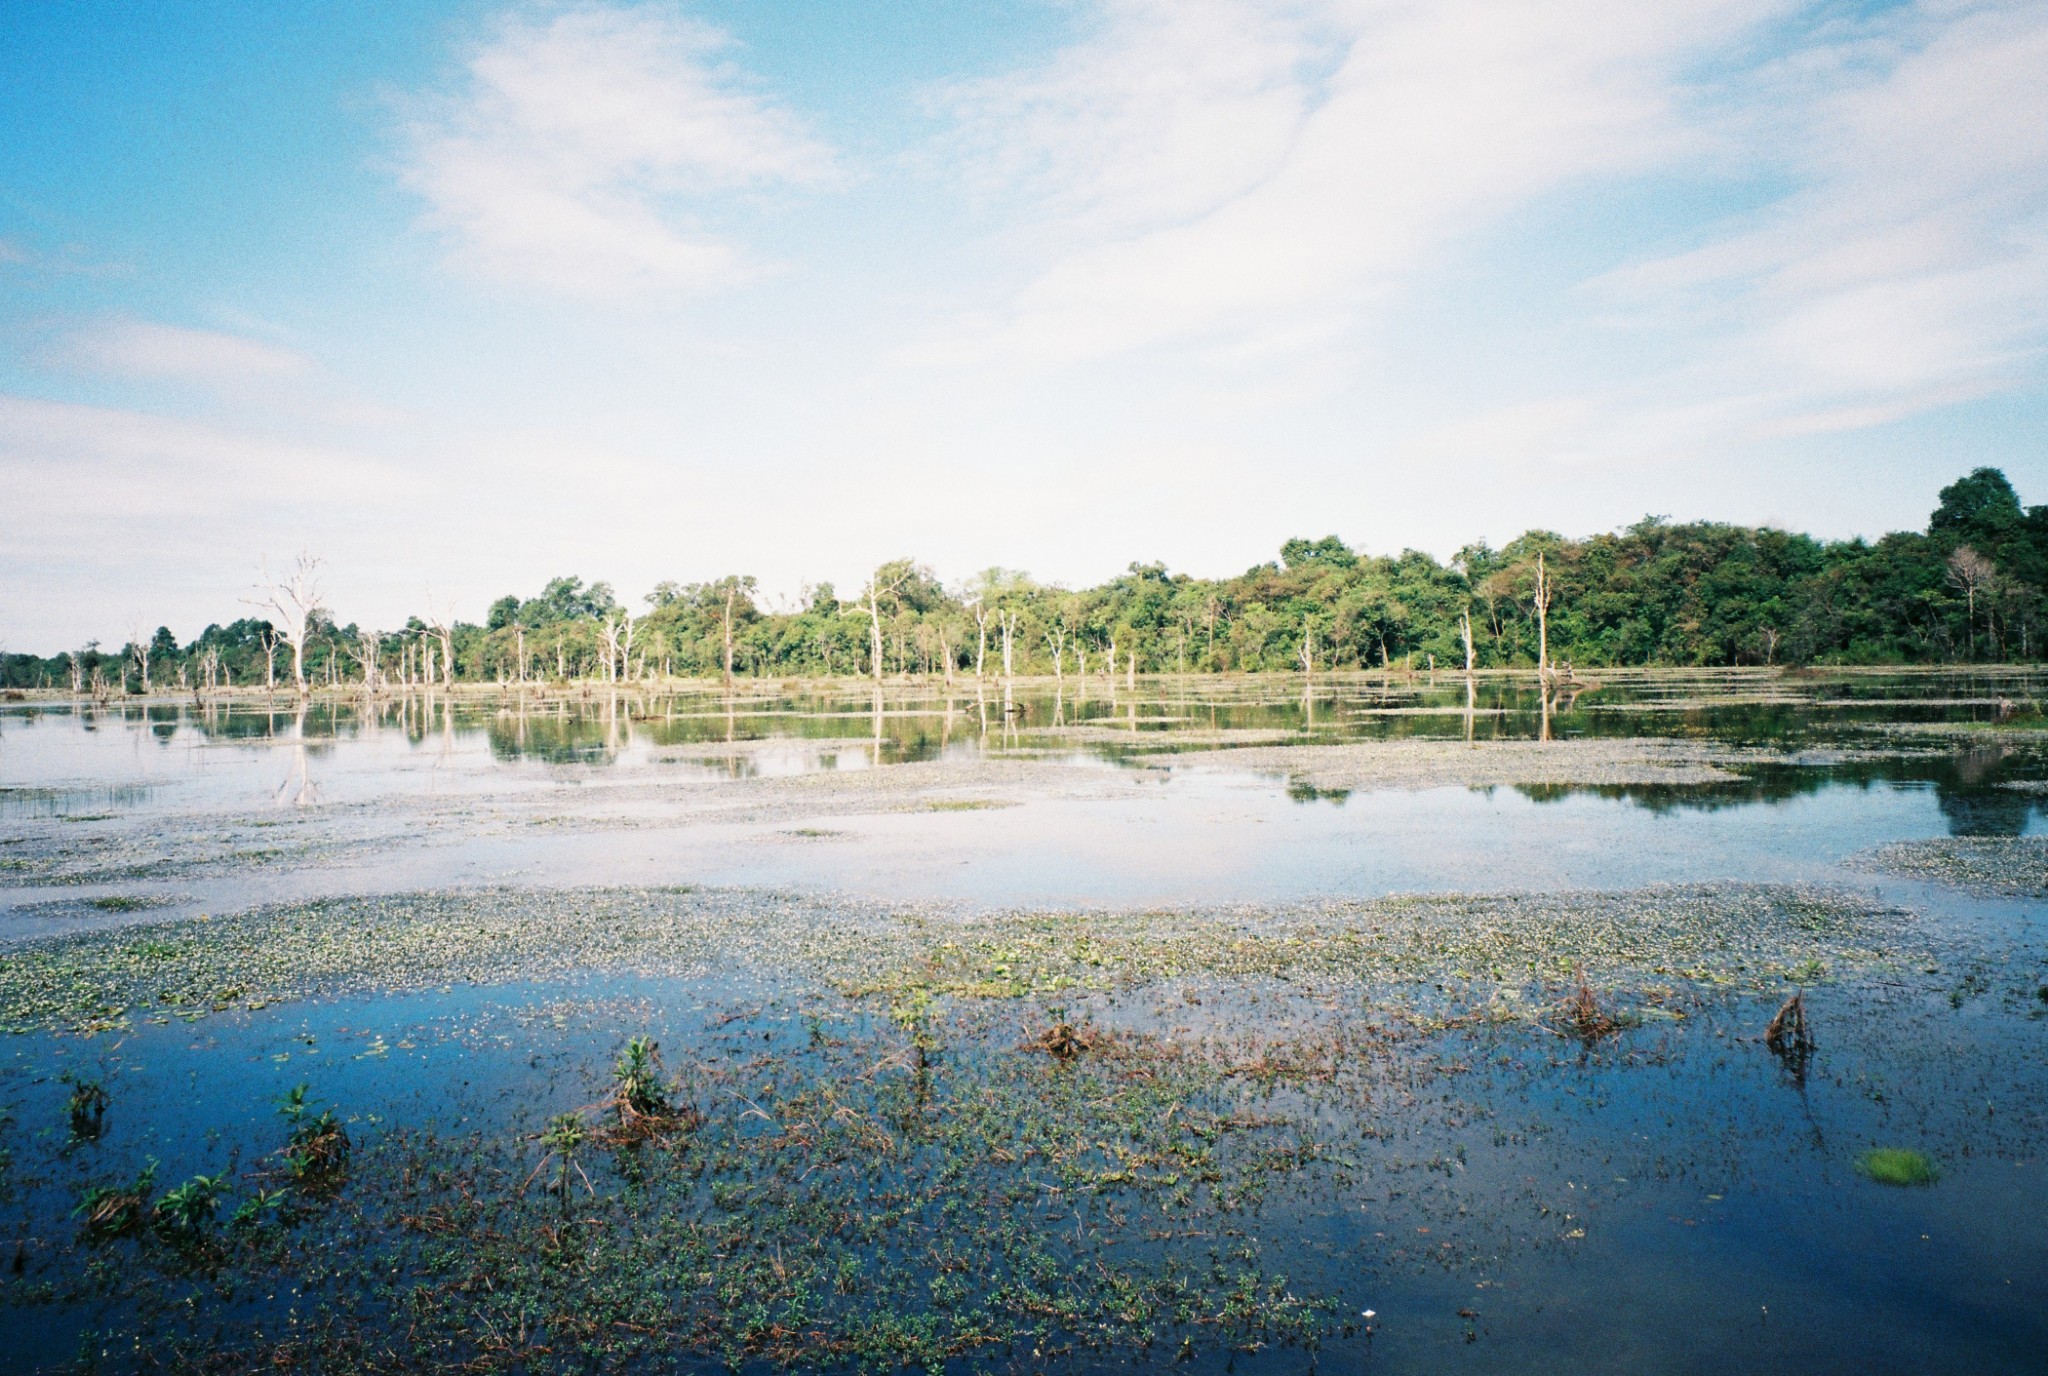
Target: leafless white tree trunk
441, 622
369, 652
608, 633
1007, 620
1056, 640
138, 650
874, 593
1971, 573
981, 630
1542, 603
291, 601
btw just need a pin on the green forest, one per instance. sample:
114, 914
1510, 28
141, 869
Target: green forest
1967, 589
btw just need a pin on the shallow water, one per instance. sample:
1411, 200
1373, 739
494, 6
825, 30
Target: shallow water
175, 809
1671, 1201
1672, 1198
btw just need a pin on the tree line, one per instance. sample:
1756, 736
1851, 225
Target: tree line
1967, 589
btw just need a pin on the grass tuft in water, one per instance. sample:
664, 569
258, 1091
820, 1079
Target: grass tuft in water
316, 1155
1897, 1166
87, 1108
186, 1211
112, 1211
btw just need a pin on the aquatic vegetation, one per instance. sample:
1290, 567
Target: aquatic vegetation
86, 1108
1581, 1017
116, 1211
1063, 1040
1787, 1031
1897, 1166
1722, 934
564, 1137
259, 1208
2014, 865
641, 1097
638, 1078
316, 1155
186, 1211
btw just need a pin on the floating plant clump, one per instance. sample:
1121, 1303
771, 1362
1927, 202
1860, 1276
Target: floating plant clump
1897, 1166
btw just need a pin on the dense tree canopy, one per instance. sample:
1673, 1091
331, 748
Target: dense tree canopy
1970, 588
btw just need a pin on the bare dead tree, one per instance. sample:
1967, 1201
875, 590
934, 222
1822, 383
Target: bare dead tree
732, 587
292, 600
883, 582
138, 650
1006, 619
269, 640
209, 671
1971, 573
1541, 600
368, 652
608, 633
980, 606
441, 623
1308, 646
1056, 641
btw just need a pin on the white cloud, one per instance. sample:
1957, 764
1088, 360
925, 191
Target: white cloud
1353, 140
145, 349
583, 151
80, 464
1908, 268
1169, 108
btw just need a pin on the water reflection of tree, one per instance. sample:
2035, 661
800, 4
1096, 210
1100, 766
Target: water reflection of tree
298, 788
1973, 802
1968, 789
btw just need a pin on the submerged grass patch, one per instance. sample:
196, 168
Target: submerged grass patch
1897, 1166
1718, 935
860, 1137
2014, 865
859, 1197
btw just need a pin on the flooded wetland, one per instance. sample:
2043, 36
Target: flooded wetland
1689, 1022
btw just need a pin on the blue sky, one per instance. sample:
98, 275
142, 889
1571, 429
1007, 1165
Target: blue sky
462, 296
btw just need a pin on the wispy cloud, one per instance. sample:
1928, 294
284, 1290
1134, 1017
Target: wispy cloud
1913, 255
582, 152
146, 349
74, 464
1354, 140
